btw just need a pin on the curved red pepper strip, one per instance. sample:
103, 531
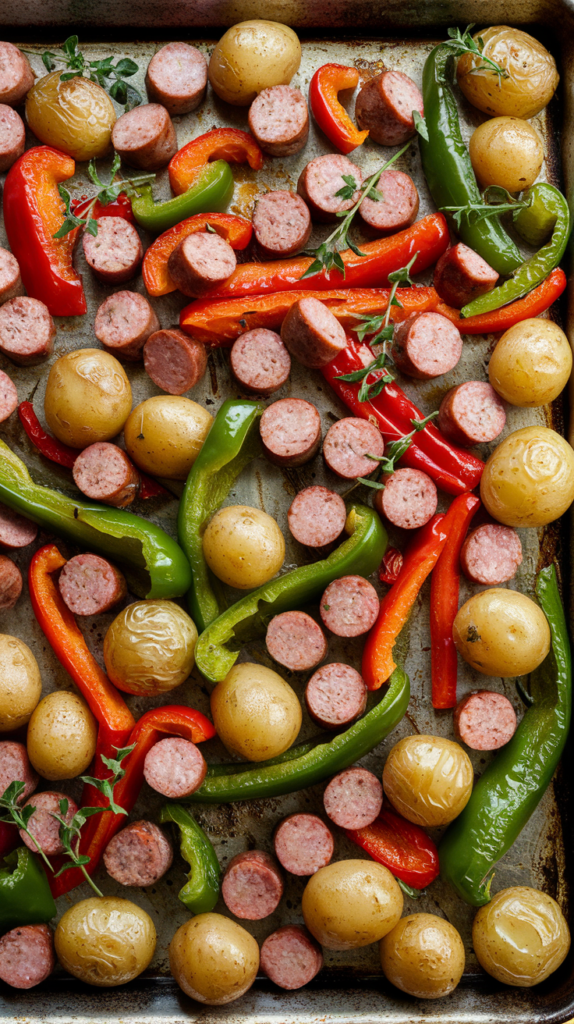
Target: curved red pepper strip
329, 114
536, 302
391, 566
122, 207
405, 849
231, 144
235, 230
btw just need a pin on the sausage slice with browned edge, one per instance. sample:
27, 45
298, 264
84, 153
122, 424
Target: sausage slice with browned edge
290, 432
174, 767
12, 137
123, 324
349, 606
15, 767
200, 262
27, 330
176, 77
296, 641
320, 181
90, 585
138, 855
10, 587
349, 443
115, 253
15, 530
145, 137
8, 396
279, 120
385, 106
103, 472
27, 955
335, 695
281, 224
174, 361
461, 275
398, 205
260, 362
409, 499
16, 75
43, 825
303, 844
10, 280
471, 413
252, 885
353, 798
312, 334
484, 720
426, 345
491, 554
317, 516
290, 957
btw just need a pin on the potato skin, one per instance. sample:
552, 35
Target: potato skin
76, 116
531, 363
529, 478
105, 942
164, 435
252, 56
62, 735
150, 647
428, 779
423, 956
213, 959
506, 151
351, 903
532, 75
255, 712
20, 683
88, 397
501, 633
243, 546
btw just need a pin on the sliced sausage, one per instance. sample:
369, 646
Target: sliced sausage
90, 585
123, 324
16, 75
312, 334
461, 275
103, 472
174, 361
491, 554
321, 179
296, 641
174, 767
471, 413
349, 606
12, 137
42, 824
281, 224
484, 720
27, 955
290, 957
303, 844
10, 280
347, 445
398, 206
145, 137
27, 330
317, 516
260, 362
15, 530
115, 253
8, 396
176, 77
200, 262
353, 798
426, 345
279, 120
335, 695
15, 767
252, 886
290, 432
409, 499
385, 105
10, 583
138, 855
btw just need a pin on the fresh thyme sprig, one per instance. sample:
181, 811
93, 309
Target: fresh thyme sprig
70, 835
466, 44
107, 786
108, 75
20, 816
495, 200
394, 450
106, 194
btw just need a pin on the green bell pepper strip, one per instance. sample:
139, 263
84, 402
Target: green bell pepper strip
448, 170
512, 786
154, 563
213, 191
25, 896
232, 442
201, 892
534, 270
247, 619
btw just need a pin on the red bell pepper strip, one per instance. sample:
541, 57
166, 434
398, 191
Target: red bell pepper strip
391, 566
33, 212
329, 114
9, 839
231, 144
405, 849
533, 304
235, 230
122, 207
445, 584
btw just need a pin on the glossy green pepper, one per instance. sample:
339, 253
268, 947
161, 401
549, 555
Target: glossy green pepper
25, 896
201, 892
212, 191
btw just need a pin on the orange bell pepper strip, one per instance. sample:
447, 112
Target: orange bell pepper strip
536, 302
235, 230
231, 144
329, 114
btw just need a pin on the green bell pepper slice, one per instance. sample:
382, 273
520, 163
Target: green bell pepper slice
25, 896
201, 892
154, 563
212, 191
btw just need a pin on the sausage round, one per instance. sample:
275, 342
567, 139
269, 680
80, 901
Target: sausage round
174, 361
426, 345
16, 75
42, 824
398, 206
145, 137
103, 472
303, 844
90, 585
353, 798
138, 855
321, 179
252, 886
176, 77
385, 105
8, 396
348, 442
15, 767
15, 530
349, 606
10, 280
281, 224
279, 120
290, 432
10, 583
336, 694
484, 720
115, 253
200, 262
12, 137
174, 767
461, 275
290, 957
317, 516
491, 554
27, 330
27, 955
312, 334
260, 362
471, 413
296, 641
409, 499
123, 324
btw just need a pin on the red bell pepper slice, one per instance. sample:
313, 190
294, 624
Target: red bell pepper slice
236, 230
445, 584
9, 839
121, 207
329, 114
231, 144
33, 212
536, 302
405, 849
391, 566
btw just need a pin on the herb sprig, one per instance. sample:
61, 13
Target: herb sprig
106, 786
20, 816
106, 194
394, 450
111, 77
466, 44
70, 835
495, 200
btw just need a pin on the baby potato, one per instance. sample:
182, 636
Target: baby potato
428, 779
255, 712
213, 959
520, 937
531, 363
423, 956
243, 546
351, 903
164, 435
88, 397
20, 683
529, 478
501, 633
531, 73
150, 647
76, 116
252, 56
507, 152
62, 735
105, 941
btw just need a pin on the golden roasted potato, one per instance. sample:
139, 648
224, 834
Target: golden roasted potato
531, 364
530, 69
76, 116
105, 941
501, 633
252, 56
62, 734
213, 959
88, 397
351, 903
423, 956
243, 546
150, 647
428, 779
20, 683
529, 478
506, 151
255, 712
164, 435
